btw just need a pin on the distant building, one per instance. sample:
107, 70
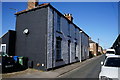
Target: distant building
8, 43
93, 47
116, 45
48, 38
104, 51
100, 49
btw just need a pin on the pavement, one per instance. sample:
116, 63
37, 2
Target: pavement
57, 73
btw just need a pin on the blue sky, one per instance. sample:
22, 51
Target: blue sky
97, 19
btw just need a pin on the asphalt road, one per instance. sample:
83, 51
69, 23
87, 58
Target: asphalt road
89, 70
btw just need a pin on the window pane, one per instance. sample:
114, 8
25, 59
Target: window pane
68, 29
113, 62
75, 32
58, 49
58, 22
110, 52
3, 49
75, 48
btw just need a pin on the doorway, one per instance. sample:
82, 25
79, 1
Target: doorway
69, 51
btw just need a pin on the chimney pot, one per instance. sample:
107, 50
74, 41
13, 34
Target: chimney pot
32, 4
69, 16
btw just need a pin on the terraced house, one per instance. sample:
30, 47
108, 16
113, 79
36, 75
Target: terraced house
48, 38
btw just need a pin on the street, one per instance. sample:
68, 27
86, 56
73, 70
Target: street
61, 40
89, 70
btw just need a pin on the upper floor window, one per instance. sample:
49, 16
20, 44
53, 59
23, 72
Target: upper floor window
75, 33
69, 29
58, 23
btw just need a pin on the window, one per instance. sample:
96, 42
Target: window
119, 40
110, 52
75, 50
3, 48
75, 32
58, 23
69, 51
58, 48
91, 45
68, 29
113, 62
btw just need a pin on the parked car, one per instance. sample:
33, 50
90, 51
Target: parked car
110, 68
8, 64
13, 63
109, 52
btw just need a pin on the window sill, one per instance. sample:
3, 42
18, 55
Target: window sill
59, 32
69, 36
75, 39
76, 57
59, 60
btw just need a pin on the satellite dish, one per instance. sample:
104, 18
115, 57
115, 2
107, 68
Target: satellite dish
26, 32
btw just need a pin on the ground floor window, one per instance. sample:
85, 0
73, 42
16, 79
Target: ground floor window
69, 50
75, 50
58, 48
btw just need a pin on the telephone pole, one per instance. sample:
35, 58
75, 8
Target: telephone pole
16, 10
98, 41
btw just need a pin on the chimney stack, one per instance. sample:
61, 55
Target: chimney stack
32, 4
69, 16
89, 38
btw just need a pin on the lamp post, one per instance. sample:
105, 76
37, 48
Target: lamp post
98, 41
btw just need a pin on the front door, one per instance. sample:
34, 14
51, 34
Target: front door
68, 51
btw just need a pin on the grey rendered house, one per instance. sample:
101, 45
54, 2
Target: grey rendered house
84, 46
48, 38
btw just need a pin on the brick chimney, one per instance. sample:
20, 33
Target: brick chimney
32, 4
69, 16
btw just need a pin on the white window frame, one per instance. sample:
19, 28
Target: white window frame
2, 46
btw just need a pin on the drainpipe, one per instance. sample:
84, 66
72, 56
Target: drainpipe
53, 40
81, 44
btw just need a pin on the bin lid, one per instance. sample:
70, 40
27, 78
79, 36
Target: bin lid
20, 57
15, 56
